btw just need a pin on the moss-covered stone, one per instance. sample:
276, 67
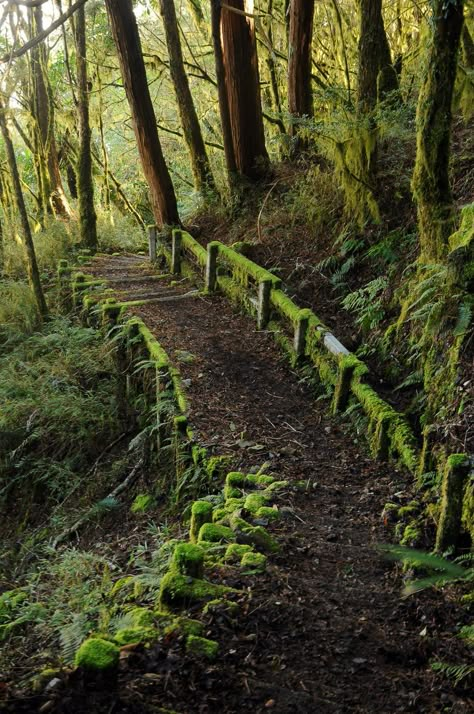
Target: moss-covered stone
97, 654
213, 533
202, 647
254, 501
132, 635
180, 591
270, 514
188, 559
253, 535
233, 504
274, 487
184, 626
201, 513
254, 561
235, 551
454, 484
218, 514
234, 483
141, 617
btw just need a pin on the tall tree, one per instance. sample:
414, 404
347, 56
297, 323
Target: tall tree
430, 184
300, 98
242, 84
31, 263
50, 181
376, 74
127, 40
201, 168
85, 184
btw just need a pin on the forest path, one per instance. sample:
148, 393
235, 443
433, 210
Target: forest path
326, 630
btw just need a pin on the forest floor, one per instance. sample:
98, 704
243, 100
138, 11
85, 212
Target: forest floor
325, 628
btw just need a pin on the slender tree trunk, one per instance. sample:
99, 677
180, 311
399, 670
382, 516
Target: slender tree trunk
376, 74
203, 179
44, 115
230, 160
85, 183
31, 264
239, 52
430, 184
300, 98
127, 41
467, 47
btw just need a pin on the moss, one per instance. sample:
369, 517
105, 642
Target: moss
141, 617
235, 551
253, 535
455, 478
132, 635
254, 561
218, 514
235, 481
412, 507
221, 607
411, 534
254, 501
243, 268
270, 514
184, 626
201, 513
190, 244
214, 533
256, 480
188, 559
274, 487
180, 591
233, 504
217, 466
97, 654
142, 503
202, 648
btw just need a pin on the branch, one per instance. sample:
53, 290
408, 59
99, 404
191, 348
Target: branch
44, 34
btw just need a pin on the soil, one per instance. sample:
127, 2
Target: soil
325, 628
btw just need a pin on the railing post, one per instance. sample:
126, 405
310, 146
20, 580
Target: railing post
301, 329
211, 267
152, 242
263, 310
343, 386
176, 242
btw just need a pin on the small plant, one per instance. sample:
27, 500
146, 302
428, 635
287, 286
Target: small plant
367, 303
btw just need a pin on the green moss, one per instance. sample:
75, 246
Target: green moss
270, 514
221, 607
142, 503
233, 504
188, 559
235, 551
180, 591
274, 487
254, 501
254, 561
411, 534
253, 535
190, 244
243, 268
184, 626
201, 513
218, 514
455, 479
132, 635
202, 648
255, 480
214, 533
141, 617
97, 654
217, 466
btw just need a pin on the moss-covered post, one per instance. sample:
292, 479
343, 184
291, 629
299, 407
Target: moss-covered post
201, 513
301, 330
211, 266
455, 478
164, 385
347, 365
381, 438
176, 244
64, 292
152, 242
263, 308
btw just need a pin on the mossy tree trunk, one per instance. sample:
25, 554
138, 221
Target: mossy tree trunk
85, 184
127, 41
376, 74
239, 53
203, 179
300, 97
31, 263
431, 186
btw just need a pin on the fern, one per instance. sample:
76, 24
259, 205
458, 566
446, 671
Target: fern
456, 672
72, 635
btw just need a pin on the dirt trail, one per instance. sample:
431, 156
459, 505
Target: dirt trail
326, 630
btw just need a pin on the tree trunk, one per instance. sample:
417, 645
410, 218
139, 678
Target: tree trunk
53, 190
430, 183
467, 47
127, 40
231, 163
300, 98
85, 184
31, 264
203, 179
239, 52
376, 73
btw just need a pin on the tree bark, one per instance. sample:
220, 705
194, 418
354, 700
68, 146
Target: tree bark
224, 111
376, 74
127, 40
31, 263
431, 186
85, 184
203, 179
239, 52
53, 190
300, 98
